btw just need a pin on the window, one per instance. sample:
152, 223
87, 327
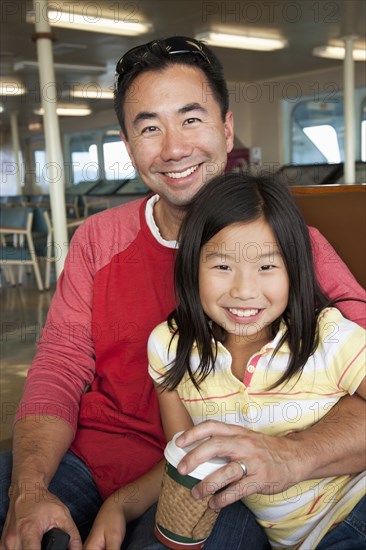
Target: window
363, 130
317, 132
97, 155
41, 169
325, 138
84, 158
117, 163
317, 129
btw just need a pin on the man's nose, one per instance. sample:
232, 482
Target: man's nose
175, 145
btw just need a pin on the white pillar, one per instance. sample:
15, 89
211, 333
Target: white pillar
16, 149
55, 166
349, 111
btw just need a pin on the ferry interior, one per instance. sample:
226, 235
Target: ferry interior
296, 76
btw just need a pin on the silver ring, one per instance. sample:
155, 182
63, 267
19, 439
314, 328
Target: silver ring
243, 467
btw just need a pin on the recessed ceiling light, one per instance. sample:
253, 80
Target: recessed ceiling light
67, 67
67, 110
94, 22
34, 126
241, 41
11, 86
92, 91
338, 52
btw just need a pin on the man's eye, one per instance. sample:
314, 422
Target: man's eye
149, 130
191, 120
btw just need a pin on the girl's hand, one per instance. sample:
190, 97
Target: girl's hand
109, 527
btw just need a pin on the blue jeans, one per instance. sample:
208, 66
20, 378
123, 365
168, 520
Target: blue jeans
73, 484
350, 534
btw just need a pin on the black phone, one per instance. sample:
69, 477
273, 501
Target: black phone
55, 539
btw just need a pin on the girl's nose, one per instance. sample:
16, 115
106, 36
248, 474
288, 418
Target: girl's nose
244, 287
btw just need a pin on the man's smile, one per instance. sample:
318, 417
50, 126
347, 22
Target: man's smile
183, 173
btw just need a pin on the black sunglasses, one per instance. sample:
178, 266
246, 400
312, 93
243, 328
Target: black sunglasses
172, 45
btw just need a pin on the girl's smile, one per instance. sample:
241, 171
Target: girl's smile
242, 315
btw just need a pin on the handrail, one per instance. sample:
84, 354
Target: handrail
327, 189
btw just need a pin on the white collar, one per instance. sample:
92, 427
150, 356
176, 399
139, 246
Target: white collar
149, 216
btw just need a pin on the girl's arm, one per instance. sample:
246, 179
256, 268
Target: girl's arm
124, 505
174, 415
131, 501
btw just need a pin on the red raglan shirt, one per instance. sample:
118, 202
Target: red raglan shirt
91, 365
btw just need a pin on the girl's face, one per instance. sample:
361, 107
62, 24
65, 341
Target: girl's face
243, 281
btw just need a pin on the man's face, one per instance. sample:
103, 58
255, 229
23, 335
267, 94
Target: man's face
177, 139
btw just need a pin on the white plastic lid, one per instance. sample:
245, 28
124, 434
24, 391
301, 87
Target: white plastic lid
174, 455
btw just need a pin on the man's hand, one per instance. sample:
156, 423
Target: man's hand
31, 514
270, 463
333, 446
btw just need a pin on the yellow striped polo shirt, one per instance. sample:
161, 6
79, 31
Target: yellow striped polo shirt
300, 516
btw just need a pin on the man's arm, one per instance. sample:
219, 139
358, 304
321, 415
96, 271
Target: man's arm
333, 446
336, 280
39, 445
47, 415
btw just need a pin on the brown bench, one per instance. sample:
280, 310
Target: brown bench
339, 212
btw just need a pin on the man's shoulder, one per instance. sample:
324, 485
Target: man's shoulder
122, 214
119, 222
108, 233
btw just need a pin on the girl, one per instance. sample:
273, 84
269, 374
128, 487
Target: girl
253, 344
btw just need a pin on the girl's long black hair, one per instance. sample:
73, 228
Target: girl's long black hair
223, 201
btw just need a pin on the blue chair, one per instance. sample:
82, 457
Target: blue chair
16, 222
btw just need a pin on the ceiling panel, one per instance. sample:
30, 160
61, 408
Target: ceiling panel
304, 23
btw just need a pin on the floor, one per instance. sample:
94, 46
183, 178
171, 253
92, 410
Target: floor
23, 311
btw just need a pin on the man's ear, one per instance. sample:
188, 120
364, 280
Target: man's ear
127, 145
229, 131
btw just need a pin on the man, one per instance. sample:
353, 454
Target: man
88, 387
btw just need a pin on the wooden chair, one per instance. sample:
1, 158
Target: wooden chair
72, 206
16, 222
51, 256
93, 205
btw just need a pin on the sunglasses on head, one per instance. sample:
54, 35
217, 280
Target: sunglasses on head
173, 45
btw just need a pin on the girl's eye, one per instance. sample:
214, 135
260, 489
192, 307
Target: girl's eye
266, 267
222, 267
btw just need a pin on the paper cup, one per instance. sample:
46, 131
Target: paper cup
182, 522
